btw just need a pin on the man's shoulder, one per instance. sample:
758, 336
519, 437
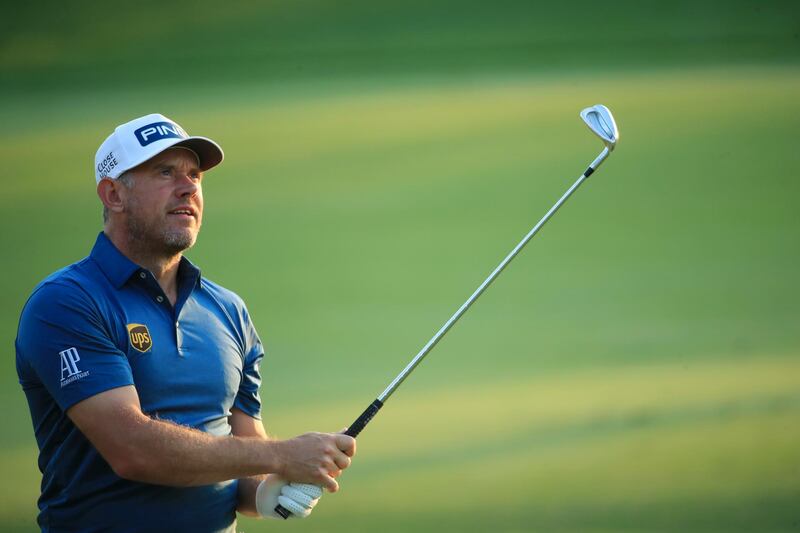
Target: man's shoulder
232, 303
73, 282
65, 299
236, 315
221, 293
70, 278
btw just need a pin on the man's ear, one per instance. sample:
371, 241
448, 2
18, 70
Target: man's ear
109, 192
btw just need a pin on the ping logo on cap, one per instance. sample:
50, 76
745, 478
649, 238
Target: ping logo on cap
140, 337
159, 130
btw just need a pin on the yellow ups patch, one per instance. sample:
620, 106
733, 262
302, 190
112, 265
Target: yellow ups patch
140, 337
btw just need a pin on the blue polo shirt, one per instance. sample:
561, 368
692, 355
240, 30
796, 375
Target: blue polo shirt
103, 323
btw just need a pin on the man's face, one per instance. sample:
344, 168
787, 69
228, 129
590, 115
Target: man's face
164, 207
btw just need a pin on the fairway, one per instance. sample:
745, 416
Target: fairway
637, 368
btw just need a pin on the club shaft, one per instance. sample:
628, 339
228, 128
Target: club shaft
355, 428
488, 281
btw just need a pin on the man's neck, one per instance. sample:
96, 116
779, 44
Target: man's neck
164, 267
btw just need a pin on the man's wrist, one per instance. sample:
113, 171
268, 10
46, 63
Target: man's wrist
246, 497
274, 458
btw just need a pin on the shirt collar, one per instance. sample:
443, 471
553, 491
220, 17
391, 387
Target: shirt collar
188, 273
119, 269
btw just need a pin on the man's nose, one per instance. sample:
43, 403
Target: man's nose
188, 185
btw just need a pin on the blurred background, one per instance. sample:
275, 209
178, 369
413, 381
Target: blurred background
637, 368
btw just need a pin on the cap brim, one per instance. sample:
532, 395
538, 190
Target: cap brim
209, 153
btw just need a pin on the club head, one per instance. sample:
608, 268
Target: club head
600, 121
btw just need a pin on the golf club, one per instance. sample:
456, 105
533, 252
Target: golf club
602, 124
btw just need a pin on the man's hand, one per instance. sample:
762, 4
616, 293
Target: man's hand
316, 458
298, 498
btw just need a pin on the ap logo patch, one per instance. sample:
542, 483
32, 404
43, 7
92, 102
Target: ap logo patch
140, 337
69, 366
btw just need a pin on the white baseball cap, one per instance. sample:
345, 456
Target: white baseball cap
140, 139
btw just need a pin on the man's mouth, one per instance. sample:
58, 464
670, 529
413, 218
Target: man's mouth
184, 212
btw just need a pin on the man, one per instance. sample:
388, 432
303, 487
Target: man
142, 376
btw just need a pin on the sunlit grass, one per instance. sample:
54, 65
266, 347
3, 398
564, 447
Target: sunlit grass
635, 369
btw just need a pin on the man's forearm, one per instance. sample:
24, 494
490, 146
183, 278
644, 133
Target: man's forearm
164, 453
142, 449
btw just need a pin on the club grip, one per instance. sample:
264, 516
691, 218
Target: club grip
353, 431
356, 427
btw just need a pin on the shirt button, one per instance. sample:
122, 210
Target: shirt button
142, 275
159, 298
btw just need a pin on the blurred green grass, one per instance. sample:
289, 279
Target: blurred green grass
635, 369
78, 45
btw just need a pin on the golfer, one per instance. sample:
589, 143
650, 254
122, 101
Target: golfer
142, 375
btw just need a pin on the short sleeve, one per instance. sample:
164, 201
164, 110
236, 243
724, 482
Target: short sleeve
64, 345
248, 399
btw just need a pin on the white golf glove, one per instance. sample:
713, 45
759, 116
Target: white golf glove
298, 498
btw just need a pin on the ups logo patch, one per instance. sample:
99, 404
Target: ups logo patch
140, 337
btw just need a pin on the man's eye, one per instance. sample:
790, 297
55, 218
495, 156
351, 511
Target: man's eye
166, 172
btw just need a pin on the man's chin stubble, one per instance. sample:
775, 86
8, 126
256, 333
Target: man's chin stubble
162, 242
178, 242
